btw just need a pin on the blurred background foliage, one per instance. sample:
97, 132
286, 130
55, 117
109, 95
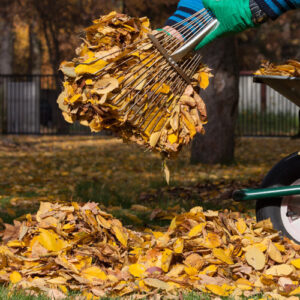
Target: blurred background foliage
38, 34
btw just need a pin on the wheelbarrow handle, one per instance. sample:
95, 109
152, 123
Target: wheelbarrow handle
254, 194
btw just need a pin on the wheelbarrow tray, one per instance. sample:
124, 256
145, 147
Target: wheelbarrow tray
289, 87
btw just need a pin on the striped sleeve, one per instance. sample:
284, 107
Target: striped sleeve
184, 19
275, 8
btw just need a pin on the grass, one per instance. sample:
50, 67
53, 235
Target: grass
8, 294
117, 176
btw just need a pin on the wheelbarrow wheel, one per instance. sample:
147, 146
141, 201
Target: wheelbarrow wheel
284, 212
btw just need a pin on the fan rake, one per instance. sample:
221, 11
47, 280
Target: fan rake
145, 92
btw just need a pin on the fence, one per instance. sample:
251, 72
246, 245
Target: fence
264, 112
28, 106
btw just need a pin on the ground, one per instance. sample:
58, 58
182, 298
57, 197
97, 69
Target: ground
119, 176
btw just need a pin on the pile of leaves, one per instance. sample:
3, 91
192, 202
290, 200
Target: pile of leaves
68, 247
291, 69
120, 81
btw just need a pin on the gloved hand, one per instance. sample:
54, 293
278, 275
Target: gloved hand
234, 16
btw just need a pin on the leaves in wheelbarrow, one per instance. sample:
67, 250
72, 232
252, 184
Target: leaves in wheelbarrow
291, 69
114, 83
72, 247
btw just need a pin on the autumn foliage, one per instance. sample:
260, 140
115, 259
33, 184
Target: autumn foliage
69, 247
121, 82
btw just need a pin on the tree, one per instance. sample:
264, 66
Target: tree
221, 98
6, 37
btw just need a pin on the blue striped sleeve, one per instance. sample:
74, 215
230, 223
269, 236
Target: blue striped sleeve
184, 19
275, 8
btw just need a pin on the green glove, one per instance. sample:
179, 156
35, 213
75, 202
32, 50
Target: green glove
234, 16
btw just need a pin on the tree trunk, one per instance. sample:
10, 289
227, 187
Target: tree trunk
221, 98
35, 58
6, 46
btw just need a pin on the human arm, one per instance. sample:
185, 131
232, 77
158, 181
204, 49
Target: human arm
234, 15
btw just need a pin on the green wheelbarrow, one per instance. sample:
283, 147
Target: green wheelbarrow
278, 197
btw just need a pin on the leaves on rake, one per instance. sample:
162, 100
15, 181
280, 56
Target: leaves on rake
119, 81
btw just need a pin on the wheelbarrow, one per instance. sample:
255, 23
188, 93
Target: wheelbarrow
278, 197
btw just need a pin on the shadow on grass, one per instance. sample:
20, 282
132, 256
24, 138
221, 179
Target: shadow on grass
175, 198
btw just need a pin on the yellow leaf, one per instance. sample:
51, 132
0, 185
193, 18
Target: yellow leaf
90, 66
15, 277
296, 263
210, 270
212, 240
244, 284
161, 88
120, 235
166, 171
68, 117
216, 289
172, 225
51, 241
93, 273
156, 283
241, 225
281, 248
15, 244
89, 82
154, 138
274, 253
295, 291
172, 138
262, 247
191, 127
255, 258
178, 245
221, 254
63, 289
137, 270
196, 230
166, 259
57, 280
280, 270
75, 98
203, 80
191, 271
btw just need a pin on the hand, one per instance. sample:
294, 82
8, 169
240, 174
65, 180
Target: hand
234, 16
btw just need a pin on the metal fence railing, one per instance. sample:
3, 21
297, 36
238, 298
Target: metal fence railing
263, 111
28, 106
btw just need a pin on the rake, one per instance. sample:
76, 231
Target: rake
149, 89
